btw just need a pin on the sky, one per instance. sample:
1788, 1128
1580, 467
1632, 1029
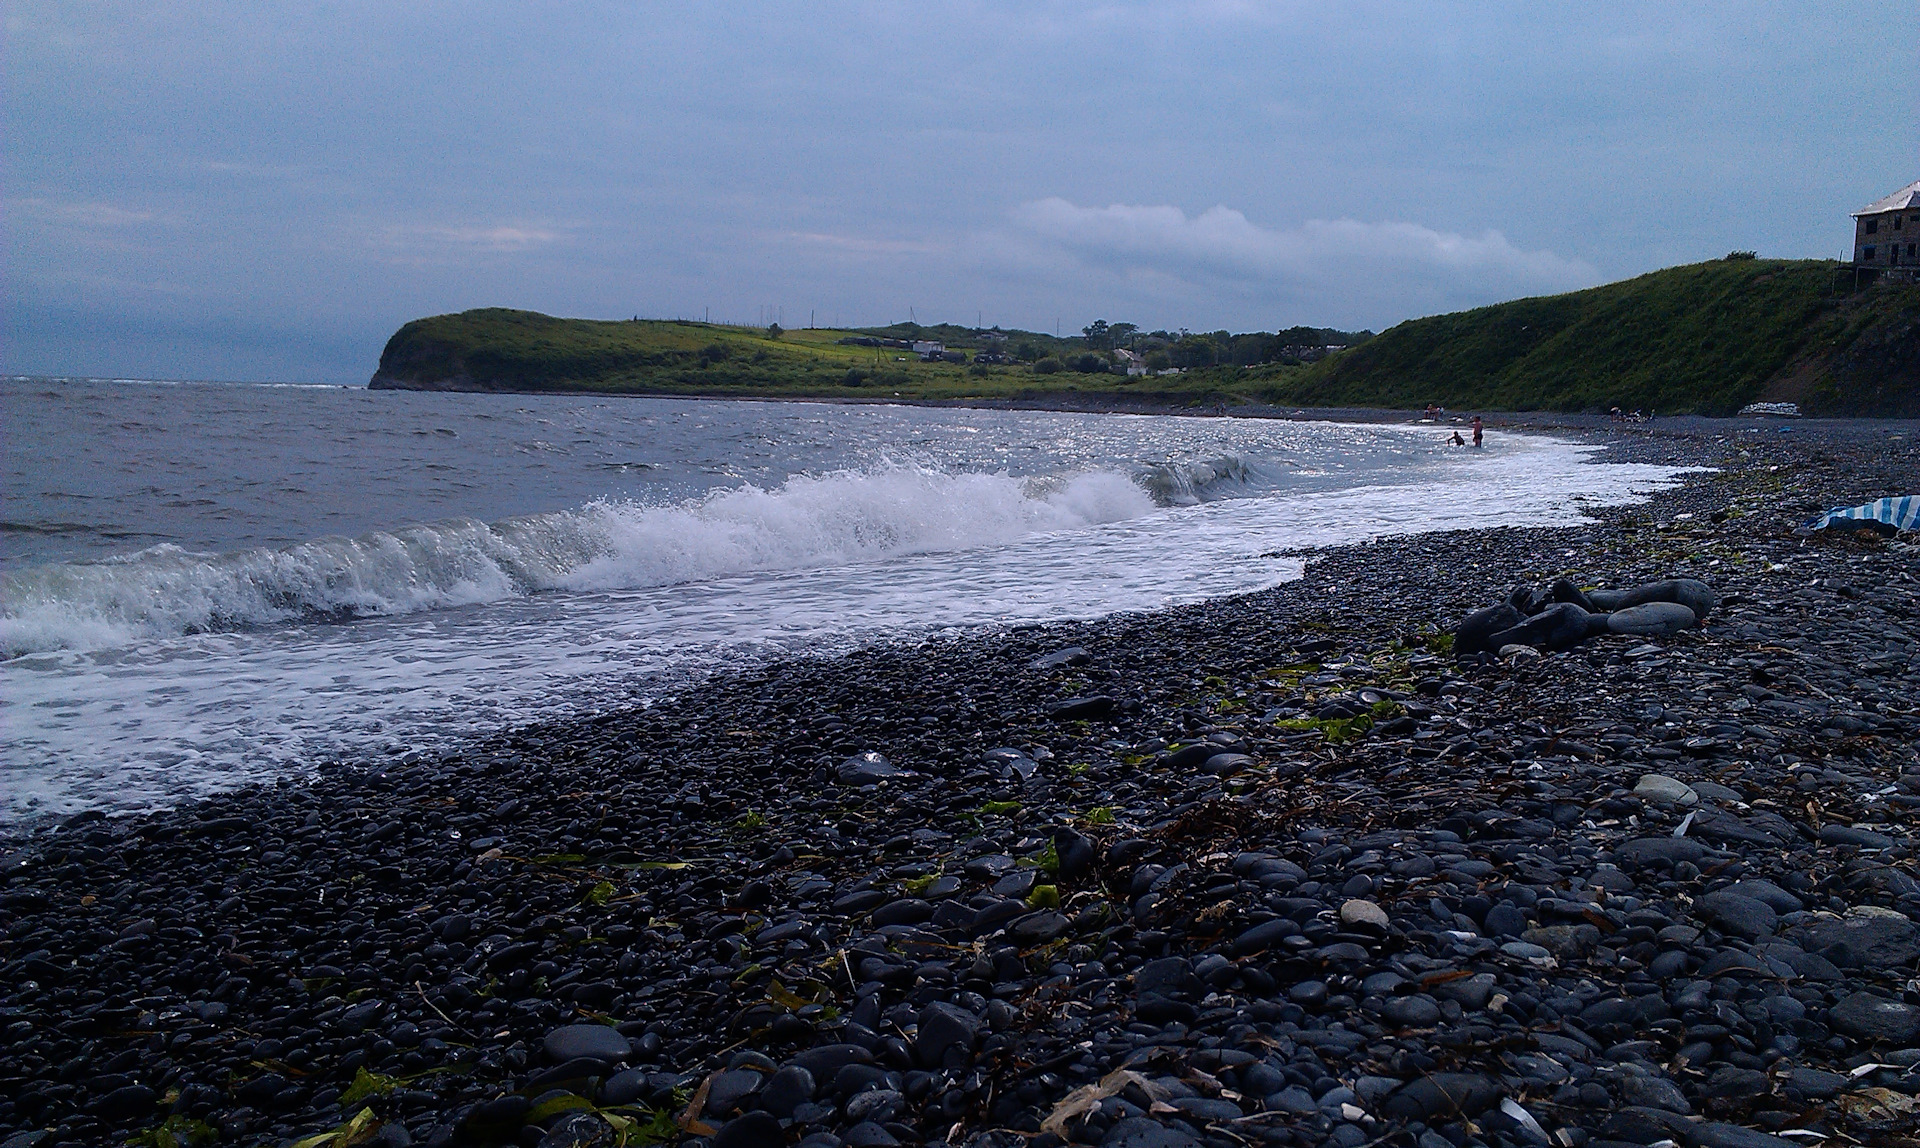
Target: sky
265, 191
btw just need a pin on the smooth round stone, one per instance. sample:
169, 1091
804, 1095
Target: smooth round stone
867, 1134
579, 1130
1504, 920
1382, 984
1227, 764
1855, 836
1713, 791
1526, 951
1650, 850
1308, 994
1652, 619
624, 1088
1665, 790
1264, 936
586, 1041
1140, 1132
1671, 963
731, 1088
1862, 939
786, 1090
1776, 898
1868, 1017
1038, 928
869, 768
1739, 915
906, 911
1294, 1099
1516, 651
1412, 1012
1362, 913
1652, 1092
754, 1130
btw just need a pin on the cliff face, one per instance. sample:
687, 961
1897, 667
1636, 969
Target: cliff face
485, 350
1706, 339
1875, 373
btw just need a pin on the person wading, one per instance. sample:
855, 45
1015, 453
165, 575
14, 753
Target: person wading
1476, 430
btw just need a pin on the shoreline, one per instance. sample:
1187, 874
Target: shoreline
441, 926
1120, 403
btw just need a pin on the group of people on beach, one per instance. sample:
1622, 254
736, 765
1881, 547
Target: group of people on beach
1434, 412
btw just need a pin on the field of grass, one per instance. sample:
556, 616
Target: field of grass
1706, 338
505, 350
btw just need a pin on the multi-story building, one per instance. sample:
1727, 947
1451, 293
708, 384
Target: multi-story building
1886, 234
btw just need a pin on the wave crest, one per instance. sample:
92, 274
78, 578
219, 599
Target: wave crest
1190, 483
807, 522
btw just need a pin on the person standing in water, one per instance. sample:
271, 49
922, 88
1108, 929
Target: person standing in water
1476, 430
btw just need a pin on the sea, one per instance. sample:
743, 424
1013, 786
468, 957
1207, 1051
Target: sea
204, 585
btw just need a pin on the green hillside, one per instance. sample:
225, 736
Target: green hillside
497, 349
1707, 338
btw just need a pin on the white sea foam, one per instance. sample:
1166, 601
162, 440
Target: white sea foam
808, 521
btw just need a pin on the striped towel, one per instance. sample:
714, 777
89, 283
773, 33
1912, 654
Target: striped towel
1901, 513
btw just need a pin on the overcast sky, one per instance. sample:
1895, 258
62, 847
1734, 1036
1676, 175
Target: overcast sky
266, 190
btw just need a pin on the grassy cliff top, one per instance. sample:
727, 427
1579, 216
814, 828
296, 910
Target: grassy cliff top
1706, 338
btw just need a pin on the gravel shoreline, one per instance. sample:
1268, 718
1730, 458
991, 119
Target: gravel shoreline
1271, 869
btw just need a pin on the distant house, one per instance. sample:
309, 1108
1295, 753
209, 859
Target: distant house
1309, 354
1135, 365
1886, 234
928, 350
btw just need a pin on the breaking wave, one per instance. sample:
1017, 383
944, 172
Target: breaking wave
1191, 483
808, 522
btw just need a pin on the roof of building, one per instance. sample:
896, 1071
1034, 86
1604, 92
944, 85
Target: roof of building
1907, 196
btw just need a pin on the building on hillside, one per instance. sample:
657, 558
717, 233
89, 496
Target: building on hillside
1886, 235
928, 350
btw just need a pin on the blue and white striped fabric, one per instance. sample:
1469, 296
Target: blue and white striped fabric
1901, 513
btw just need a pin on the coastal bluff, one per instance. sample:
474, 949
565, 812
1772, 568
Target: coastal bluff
1705, 339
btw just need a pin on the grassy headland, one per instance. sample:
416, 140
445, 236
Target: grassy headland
505, 350
1706, 338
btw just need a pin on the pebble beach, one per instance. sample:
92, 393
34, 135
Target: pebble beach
1270, 869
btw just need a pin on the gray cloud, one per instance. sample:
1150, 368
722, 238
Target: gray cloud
1320, 257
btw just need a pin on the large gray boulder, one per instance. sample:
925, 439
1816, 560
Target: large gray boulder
1652, 619
1692, 593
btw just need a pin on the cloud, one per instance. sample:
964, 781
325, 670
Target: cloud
427, 244
860, 245
1222, 246
478, 238
82, 215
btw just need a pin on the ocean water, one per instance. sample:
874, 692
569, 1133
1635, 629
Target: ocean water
205, 584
